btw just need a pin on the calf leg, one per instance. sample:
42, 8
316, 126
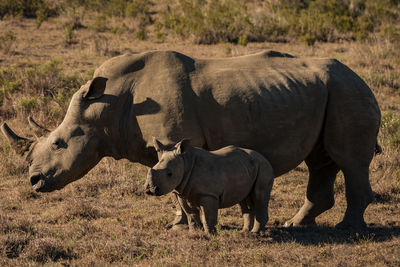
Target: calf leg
261, 214
209, 214
320, 195
247, 213
180, 216
260, 196
192, 214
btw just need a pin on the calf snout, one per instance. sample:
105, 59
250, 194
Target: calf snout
149, 187
151, 190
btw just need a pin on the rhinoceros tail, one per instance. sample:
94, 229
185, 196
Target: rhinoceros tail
378, 149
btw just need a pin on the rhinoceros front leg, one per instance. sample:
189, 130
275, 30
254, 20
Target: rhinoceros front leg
320, 195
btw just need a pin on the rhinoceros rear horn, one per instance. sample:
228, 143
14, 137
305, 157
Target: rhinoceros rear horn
37, 129
19, 144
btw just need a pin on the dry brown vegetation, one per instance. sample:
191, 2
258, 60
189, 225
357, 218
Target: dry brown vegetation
105, 219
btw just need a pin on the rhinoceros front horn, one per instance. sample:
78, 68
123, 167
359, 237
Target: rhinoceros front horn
37, 129
19, 144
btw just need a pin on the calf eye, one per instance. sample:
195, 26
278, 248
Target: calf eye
169, 174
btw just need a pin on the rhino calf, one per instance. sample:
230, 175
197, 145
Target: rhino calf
208, 181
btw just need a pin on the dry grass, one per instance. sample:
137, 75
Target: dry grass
105, 219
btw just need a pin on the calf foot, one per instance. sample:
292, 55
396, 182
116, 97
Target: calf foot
179, 227
178, 223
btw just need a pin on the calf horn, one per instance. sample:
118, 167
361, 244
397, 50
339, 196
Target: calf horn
37, 129
19, 144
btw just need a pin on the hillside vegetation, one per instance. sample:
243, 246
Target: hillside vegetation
227, 20
49, 48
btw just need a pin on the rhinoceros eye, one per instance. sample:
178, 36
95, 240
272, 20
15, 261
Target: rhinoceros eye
58, 144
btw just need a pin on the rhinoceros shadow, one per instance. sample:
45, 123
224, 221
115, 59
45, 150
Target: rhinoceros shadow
323, 235
328, 235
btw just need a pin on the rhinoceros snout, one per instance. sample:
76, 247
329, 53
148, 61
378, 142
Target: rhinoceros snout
37, 181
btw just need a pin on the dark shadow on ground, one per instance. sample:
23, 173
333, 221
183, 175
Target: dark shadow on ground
322, 235
328, 235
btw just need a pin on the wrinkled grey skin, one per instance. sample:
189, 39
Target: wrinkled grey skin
288, 109
207, 181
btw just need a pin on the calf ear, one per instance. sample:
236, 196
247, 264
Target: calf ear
96, 88
158, 146
183, 146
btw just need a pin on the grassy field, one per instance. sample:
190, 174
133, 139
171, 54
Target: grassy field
106, 219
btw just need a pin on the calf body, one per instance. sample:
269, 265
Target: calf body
207, 181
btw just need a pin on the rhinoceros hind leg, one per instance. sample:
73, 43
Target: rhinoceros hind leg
358, 195
320, 195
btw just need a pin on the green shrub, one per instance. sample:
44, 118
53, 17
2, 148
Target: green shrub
100, 24
69, 34
209, 21
27, 104
159, 32
212, 21
364, 26
243, 40
7, 86
160, 35
7, 42
308, 39
117, 30
139, 9
40, 9
141, 34
34, 87
391, 130
390, 33
115, 8
43, 12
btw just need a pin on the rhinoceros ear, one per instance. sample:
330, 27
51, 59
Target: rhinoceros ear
183, 146
19, 144
96, 88
158, 146
37, 129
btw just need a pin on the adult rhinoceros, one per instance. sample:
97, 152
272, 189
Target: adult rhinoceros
289, 109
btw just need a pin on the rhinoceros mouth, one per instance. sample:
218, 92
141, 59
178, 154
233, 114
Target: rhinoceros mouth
153, 191
37, 182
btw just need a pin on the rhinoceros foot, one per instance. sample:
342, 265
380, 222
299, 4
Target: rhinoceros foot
298, 221
348, 224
